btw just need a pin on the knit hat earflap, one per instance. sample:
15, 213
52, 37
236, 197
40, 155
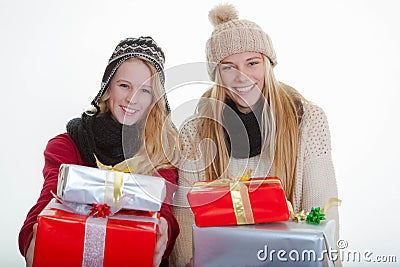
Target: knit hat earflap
232, 36
128, 48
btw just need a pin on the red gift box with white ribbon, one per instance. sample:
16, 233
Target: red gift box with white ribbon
65, 238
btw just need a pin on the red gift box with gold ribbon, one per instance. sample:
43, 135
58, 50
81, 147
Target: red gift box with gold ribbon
227, 202
63, 238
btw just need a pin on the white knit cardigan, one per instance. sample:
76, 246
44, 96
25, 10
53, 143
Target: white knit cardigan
315, 179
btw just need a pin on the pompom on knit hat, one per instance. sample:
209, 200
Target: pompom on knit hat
232, 36
142, 47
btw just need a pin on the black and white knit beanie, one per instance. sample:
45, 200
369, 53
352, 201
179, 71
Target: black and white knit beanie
144, 47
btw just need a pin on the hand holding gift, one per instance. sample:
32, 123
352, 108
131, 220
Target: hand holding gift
161, 245
31, 249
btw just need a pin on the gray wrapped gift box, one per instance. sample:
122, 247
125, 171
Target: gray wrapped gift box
88, 185
272, 244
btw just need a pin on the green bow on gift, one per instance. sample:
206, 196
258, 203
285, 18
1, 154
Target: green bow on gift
315, 216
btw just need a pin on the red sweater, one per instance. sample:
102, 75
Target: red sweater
62, 149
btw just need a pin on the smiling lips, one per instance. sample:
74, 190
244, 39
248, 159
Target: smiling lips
129, 111
244, 89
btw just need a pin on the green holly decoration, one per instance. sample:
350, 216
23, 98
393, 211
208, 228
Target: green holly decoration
315, 216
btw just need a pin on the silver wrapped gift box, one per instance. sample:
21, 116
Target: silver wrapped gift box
272, 244
88, 185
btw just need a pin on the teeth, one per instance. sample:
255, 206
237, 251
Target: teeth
129, 110
244, 89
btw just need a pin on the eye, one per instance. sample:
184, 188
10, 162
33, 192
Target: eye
124, 85
253, 63
227, 67
144, 90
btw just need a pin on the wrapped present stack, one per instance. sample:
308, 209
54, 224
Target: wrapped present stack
246, 222
100, 218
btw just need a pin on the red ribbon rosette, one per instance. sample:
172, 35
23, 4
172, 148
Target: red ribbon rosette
100, 210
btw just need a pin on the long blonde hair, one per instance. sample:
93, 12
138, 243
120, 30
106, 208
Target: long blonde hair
282, 112
159, 148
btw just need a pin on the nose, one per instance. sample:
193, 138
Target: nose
241, 76
132, 96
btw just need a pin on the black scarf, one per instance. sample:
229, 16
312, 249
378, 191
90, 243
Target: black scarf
242, 130
103, 136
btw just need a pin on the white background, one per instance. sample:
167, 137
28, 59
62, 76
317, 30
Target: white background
343, 55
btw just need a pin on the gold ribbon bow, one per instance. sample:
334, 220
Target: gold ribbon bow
128, 165
113, 190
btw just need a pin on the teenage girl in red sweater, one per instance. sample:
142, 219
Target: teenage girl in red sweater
129, 118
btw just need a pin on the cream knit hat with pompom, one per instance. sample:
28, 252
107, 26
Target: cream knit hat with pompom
233, 36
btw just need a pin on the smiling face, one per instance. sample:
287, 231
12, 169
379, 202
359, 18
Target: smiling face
131, 92
243, 77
